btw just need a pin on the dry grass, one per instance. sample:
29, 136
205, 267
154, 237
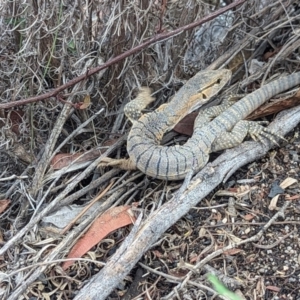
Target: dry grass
45, 44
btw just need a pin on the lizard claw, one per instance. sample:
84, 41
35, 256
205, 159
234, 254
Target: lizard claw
260, 133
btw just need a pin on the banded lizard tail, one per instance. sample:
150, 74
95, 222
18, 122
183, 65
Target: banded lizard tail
226, 130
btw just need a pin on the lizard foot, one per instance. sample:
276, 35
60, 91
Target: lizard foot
261, 133
236, 136
124, 164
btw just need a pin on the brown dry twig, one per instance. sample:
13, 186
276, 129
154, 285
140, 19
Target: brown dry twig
55, 46
161, 219
280, 239
155, 39
209, 257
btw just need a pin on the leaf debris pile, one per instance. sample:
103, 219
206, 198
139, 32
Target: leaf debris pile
49, 149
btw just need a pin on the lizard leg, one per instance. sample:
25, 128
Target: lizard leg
209, 113
240, 130
216, 110
133, 109
124, 164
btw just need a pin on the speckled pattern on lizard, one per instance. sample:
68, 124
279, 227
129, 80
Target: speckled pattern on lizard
212, 131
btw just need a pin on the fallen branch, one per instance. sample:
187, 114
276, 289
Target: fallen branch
120, 264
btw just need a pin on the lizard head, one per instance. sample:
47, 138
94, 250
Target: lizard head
210, 83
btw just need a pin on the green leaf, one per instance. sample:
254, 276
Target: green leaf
221, 289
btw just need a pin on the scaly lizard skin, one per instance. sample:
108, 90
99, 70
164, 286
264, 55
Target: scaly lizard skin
226, 130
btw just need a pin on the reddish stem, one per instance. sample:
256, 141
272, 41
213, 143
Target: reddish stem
155, 39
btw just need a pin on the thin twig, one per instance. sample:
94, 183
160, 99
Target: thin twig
155, 39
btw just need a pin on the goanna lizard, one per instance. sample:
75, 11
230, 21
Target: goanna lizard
226, 130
